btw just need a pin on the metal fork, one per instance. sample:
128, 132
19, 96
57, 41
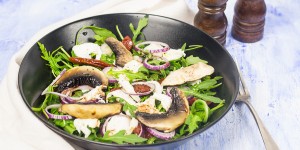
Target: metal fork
244, 97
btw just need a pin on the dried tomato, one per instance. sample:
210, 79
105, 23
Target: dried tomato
87, 61
141, 88
127, 42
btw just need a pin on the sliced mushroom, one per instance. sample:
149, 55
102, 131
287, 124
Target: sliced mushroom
91, 111
186, 74
81, 75
170, 120
123, 56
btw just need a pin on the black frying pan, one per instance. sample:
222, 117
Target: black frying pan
35, 76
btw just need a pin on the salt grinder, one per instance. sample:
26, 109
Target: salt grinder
249, 20
211, 19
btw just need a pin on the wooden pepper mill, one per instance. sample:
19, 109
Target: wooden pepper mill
211, 19
249, 20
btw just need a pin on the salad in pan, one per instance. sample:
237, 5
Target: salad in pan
128, 90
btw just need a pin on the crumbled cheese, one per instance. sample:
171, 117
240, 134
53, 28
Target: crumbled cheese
158, 87
84, 50
82, 125
125, 84
153, 46
133, 66
121, 94
148, 106
106, 49
165, 100
121, 122
173, 54
95, 93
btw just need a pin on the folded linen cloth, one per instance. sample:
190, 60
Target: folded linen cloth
19, 128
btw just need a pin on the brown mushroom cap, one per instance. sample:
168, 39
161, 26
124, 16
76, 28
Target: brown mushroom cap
81, 75
92, 111
123, 55
170, 120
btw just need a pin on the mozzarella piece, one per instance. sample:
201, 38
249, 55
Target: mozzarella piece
106, 49
121, 94
158, 87
125, 84
121, 122
133, 66
95, 93
153, 46
82, 125
173, 54
148, 106
84, 50
165, 100
138, 58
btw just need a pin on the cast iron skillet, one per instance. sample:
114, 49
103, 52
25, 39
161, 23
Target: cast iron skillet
35, 76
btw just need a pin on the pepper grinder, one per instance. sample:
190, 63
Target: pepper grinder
211, 19
249, 20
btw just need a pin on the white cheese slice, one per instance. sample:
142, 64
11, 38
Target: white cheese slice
121, 122
173, 54
133, 66
125, 84
165, 100
158, 87
106, 49
84, 50
121, 94
82, 125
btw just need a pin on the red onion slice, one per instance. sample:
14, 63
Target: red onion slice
159, 67
161, 135
104, 126
53, 116
65, 96
168, 91
58, 77
151, 85
165, 46
142, 130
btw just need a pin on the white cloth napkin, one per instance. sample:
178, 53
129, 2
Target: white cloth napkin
19, 128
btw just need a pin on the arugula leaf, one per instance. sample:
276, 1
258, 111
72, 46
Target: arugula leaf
57, 60
211, 111
108, 58
119, 32
67, 125
199, 114
121, 138
193, 47
49, 99
193, 60
143, 22
207, 84
183, 47
100, 34
128, 107
203, 96
200, 108
129, 74
151, 140
192, 122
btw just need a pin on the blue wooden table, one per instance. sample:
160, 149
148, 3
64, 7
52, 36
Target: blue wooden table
271, 68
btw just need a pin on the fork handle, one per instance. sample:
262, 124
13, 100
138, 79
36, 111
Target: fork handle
267, 138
